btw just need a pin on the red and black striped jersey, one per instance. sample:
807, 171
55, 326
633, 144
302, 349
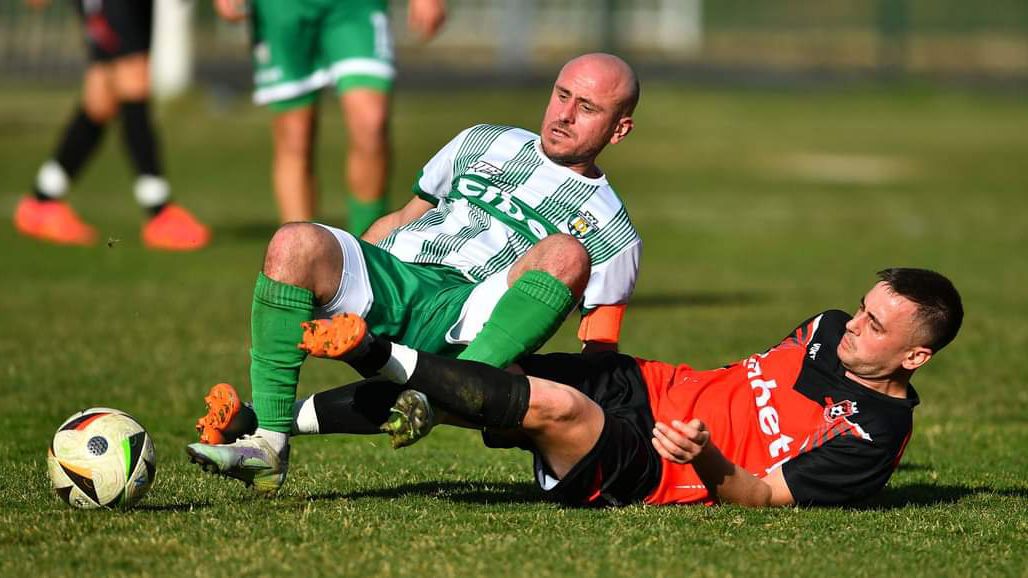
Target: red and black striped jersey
791, 407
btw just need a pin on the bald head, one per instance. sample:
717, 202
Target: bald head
610, 72
590, 107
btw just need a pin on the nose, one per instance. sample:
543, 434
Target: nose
853, 325
567, 111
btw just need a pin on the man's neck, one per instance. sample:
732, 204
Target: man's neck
892, 386
588, 170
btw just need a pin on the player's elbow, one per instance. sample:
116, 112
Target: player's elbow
758, 496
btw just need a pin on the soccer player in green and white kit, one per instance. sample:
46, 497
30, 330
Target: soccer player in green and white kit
506, 233
302, 46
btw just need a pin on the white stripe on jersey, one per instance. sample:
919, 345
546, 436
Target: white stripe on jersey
498, 194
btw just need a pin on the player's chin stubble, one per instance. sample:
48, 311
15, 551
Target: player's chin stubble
563, 159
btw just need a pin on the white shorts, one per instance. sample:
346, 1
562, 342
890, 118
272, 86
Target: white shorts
354, 294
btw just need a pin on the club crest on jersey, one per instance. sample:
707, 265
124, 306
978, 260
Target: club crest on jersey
582, 224
841, 410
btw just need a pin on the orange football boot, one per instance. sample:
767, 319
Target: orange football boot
227, 417
53, 221
175, 229
334, 338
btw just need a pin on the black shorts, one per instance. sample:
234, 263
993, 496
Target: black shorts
116, 28
622, 467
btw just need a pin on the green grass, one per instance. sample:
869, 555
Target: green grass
757, 209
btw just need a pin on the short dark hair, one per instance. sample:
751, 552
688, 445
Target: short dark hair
939, 308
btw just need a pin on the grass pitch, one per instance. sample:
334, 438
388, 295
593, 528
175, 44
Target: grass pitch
757, 209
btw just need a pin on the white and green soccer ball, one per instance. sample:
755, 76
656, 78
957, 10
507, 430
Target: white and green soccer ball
101, 458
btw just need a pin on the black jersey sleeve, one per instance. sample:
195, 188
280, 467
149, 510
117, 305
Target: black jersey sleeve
844, 469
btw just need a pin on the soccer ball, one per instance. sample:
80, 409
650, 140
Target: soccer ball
101, 457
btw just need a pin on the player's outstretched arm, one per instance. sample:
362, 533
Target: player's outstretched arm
685, 443
381, 228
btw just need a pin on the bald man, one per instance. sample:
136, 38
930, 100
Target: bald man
506, 233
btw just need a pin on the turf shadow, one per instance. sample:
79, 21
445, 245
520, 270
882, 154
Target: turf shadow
913, 467
458, 492
183, 507
696, 299
931, 495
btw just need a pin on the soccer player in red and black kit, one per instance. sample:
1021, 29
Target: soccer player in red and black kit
822, 417
116, 83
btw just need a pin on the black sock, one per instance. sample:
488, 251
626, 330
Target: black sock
370, 362
139, 137
479, 393
81, 137
357, 408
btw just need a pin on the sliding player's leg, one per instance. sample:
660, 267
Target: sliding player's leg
561, 421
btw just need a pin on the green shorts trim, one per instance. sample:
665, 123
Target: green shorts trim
294, 103
302, 46
415, 305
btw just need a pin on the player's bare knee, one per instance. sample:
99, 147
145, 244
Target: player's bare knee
566, 259
369, 137
304, 255
98, 98
131, 76
100, 111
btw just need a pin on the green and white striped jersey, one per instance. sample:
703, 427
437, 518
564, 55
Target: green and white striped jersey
497, 194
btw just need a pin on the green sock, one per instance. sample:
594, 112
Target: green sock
528, 314
278, 310
364, 213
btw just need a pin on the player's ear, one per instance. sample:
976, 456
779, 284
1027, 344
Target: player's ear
916, 357
624, 126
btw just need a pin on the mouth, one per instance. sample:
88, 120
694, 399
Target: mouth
559, 132
847, 340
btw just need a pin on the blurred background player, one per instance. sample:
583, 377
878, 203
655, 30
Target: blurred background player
116, 83
301, 46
